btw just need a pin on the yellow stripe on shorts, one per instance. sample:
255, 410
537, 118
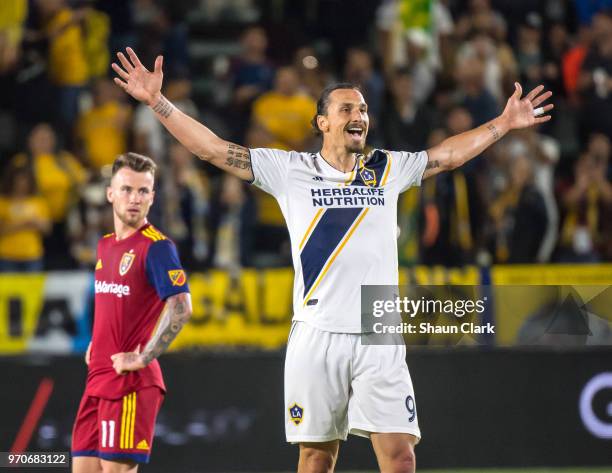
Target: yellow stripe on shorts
132, 427
123, 416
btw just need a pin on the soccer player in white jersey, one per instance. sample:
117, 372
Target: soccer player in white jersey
340, 207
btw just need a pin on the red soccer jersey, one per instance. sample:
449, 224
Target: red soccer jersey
134, 276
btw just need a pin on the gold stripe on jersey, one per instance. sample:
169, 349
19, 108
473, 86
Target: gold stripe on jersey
386, 174
335, 254
153, 234
311, 227
108, 235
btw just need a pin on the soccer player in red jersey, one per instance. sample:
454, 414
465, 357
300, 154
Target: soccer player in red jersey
142, 300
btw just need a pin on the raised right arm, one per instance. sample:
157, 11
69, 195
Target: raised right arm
145, 86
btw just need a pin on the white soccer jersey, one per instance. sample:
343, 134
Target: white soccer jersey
343, 227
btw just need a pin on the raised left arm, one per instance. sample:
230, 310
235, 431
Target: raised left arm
519, 113
175, 314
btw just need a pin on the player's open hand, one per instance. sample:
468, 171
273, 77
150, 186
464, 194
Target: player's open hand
528, 111
136, 79
123, 363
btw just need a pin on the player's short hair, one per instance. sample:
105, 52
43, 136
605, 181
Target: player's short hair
323, 101
134, 161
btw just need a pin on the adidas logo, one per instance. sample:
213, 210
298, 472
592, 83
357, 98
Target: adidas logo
317, 178
142, 445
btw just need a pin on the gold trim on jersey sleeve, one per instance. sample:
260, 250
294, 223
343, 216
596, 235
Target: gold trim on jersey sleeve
153, 234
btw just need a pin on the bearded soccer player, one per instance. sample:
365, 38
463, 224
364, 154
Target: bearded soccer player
142, 300
341, 209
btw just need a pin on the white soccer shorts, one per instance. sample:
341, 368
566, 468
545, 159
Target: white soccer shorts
334, 386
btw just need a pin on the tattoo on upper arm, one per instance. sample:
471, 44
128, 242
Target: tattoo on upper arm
493, 131
172, 319
238, 157
163, 107
432, 164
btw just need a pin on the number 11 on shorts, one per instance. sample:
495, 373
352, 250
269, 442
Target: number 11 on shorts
108, 432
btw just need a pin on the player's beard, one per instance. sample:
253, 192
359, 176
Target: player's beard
131, 219
355, 148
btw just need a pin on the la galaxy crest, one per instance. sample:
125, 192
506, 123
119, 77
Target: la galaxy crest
296, 412
126, 262
368, 176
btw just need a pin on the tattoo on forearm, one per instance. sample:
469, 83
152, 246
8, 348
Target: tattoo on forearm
163, 107
238, 157
174, 316
493, 131
432, 164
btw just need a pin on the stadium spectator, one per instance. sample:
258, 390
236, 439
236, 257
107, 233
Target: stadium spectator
482, 17
529, 51
96, 31
58, 175
557, 44
595, 81
186, 194
359, 69
448, 235
89, 220
228, 254
285, 112
587, 207
251, 73
421, 64
12, 17
519, 207
471, 91
103, 130
500, 68
66, 60
24, 219
544, 153
313, 75
572, 62
404, 124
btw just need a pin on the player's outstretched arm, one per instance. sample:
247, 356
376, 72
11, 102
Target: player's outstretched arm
145, 86
519, 113
175, 315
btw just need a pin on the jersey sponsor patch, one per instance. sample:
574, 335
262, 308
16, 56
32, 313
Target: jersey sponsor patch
178, 277
120, 290
126, 262
297, 413
99, 264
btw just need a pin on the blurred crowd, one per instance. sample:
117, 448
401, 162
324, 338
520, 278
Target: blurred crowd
252, 72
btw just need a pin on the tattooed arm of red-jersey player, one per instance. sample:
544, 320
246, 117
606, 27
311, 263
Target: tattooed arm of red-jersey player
175, 315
